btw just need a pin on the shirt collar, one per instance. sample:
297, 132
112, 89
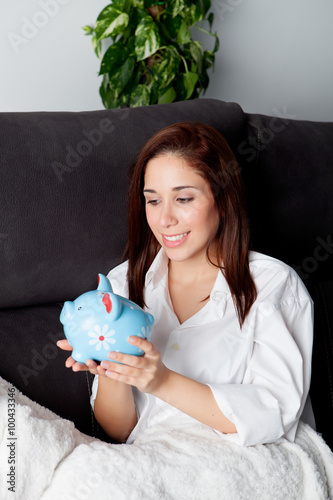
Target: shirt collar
158, 269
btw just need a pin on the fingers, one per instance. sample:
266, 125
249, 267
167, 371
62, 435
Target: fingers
150, 353
111, 368
145, 345
143, 372
64, 344
70, 362
90, 365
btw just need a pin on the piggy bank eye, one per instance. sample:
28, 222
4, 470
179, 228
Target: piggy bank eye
79, 308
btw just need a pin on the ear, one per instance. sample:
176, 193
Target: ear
104, 284
112, 305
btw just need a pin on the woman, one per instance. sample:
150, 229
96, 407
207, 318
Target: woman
232, 339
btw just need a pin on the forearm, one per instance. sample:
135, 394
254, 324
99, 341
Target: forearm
194, 399
150, 375
115, 409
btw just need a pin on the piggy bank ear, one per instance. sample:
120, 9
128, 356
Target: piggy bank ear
104, 284
112, 305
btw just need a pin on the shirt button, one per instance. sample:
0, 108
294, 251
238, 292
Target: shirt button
175, 346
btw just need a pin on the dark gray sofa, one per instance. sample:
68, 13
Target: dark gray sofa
64, 181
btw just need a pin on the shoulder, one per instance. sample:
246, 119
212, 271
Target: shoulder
276, 280
118, 279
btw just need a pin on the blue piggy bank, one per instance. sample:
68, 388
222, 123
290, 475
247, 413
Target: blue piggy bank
100, 321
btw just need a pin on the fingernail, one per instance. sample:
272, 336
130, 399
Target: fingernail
104, 364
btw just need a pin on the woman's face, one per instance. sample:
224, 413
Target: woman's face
180, 208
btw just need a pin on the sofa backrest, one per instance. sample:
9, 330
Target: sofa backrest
287, 167
63, 191
64, 183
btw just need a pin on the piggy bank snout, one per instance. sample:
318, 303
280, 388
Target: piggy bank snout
67, 312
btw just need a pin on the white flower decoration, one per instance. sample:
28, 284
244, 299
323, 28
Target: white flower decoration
101, 337
144, 334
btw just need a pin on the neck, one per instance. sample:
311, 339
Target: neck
192, 271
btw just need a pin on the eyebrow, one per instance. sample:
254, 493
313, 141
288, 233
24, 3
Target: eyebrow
177, 188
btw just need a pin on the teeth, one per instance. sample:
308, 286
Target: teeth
176, 238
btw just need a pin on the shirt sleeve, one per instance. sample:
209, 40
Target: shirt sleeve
267, 406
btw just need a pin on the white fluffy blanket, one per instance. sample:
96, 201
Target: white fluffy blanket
53, 461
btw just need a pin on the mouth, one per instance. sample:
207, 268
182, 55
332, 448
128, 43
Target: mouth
175, 240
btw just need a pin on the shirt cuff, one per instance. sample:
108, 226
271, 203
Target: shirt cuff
252, 409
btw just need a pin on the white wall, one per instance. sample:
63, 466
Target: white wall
274, 55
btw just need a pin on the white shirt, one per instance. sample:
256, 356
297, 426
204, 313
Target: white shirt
259, 375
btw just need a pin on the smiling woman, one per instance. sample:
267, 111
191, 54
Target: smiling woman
232, 336
195, 155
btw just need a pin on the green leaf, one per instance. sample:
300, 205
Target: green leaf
114, 57
194, 15
88, 29
185, 85
97, 46
140, 96
122, 5
210, 19
197, 53
202, 7
107, 96
208, 59
110, 22
194, 67
166, 69
175, 7
149, 3
171, 25
168, 95
147, 38
121, 77
184, 33
217, 44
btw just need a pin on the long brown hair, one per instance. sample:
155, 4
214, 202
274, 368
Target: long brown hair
205, 150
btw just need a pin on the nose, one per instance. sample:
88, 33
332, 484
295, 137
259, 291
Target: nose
167, 215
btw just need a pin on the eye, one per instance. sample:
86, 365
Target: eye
152, 202
184, 200
79, 308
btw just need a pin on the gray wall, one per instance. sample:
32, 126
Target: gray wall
276, 56
46, 61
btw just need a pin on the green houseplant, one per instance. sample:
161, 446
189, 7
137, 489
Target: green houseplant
152, 57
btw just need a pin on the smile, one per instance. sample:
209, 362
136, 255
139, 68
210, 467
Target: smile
175, 240
177, 237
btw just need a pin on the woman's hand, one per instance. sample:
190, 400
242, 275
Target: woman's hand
90, 365
147, 372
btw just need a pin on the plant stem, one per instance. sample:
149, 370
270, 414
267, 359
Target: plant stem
204, 31
185, 64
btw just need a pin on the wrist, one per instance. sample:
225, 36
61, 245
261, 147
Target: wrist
164, 387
